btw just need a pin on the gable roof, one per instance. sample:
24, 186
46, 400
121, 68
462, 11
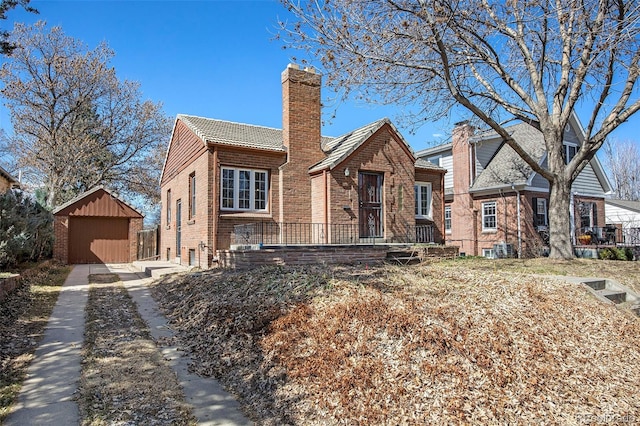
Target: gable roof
624, 204
338, 149
8, 176
132, 213
235, 134
507, 167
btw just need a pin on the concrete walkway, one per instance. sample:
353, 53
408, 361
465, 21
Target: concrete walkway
210, 403
47, 394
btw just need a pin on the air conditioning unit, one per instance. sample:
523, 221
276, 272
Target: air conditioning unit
503, 250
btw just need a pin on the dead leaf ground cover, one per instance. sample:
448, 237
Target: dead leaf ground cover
125, 379
441, 343
23, 317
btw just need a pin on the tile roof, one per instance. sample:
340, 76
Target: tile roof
236, 134
506, 167
341, 147
428, 165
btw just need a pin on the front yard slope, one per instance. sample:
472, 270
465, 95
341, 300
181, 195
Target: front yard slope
392, 345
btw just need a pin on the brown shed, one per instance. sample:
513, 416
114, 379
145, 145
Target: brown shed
96, 227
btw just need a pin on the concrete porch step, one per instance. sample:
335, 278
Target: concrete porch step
614, 295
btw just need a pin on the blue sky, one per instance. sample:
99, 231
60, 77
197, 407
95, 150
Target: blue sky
210, 58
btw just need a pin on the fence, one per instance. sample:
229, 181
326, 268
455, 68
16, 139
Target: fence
276, 233
149, 243
608, 235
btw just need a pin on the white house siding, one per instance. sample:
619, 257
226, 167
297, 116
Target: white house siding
615, 214
485, 150
587, 183
539, 182
446, 161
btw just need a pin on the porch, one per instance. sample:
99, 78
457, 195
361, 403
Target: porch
610, 235
287, 234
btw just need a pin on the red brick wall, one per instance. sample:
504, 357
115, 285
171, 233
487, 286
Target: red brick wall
367, 255
464, 218
301, 122
381, 153
194, 229
437, 204
61, 241
259, 160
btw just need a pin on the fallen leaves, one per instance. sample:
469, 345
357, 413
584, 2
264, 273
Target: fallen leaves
124, 380
437, 343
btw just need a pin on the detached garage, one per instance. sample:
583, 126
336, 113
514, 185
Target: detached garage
96, 227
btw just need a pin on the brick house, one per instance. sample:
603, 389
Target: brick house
226, 183
495, 202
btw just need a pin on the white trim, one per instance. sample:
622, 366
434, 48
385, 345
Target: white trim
448, 230
495, 216
252, 190
418, 200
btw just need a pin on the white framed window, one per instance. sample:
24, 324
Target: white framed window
192, 195
540, 212
489, 222
447, 219
488, 253
570, 151
168, 207
423, 199
243, 189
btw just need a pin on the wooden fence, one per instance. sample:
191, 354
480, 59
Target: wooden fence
149, 243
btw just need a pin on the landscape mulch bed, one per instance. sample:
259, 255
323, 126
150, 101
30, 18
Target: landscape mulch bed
431, 344
24, 314
125, 379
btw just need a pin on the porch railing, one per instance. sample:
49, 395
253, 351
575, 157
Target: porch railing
277, 233
608, 235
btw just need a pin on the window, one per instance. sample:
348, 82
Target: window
588, 215
489, 253
489, 222
447, 219
540, 212
243, 189
423, 200
192, 195
570, 150
168, 207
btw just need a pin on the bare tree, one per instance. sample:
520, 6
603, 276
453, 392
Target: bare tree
527, 60
622, 159
75, 124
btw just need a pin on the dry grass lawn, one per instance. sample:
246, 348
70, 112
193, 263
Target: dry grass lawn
124, 380
455, 342
23, 317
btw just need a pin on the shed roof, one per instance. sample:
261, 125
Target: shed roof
98, 201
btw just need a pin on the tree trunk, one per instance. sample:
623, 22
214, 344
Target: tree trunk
560, 241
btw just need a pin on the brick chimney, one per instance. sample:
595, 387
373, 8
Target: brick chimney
301, 136
301, 114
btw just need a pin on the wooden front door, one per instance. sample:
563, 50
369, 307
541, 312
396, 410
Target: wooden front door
370, 195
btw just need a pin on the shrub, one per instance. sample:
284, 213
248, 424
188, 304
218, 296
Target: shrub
26, 229
614, 253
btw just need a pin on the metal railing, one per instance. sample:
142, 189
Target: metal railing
276, 233
608, 235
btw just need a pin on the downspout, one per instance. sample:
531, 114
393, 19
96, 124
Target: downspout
519, 226
213, 243
326, 207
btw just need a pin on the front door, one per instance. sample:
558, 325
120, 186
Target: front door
178, 227
370, 195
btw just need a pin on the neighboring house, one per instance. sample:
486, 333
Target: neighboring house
626, 215
493, 199
227, 183
7, 181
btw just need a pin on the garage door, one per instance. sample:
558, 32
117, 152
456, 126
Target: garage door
98, 240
